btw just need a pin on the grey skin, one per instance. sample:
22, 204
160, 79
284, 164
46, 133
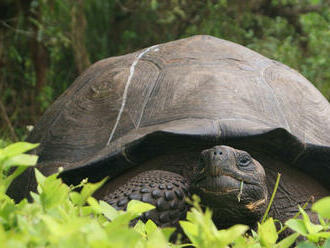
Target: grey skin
229, 181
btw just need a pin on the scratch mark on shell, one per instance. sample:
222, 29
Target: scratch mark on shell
132, 69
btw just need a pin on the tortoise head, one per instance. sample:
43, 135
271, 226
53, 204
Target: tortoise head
232, 184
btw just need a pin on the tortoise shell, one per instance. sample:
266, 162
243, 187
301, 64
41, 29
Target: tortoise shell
195, 92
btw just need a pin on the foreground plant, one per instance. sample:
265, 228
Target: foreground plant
60, 216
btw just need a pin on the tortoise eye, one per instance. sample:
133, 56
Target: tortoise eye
244, 160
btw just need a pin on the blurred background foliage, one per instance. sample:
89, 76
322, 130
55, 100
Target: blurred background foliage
46, 44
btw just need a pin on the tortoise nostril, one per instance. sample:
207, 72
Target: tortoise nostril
217, 152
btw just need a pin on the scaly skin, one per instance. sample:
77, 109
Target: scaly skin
163, 189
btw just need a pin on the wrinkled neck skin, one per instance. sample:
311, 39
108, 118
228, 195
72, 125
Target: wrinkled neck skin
295, 188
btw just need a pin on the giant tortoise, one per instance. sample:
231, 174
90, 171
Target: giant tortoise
198, 115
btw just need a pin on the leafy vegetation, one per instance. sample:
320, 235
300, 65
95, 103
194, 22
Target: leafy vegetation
60, 216
46, 44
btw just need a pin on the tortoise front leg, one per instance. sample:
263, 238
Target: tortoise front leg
163, 189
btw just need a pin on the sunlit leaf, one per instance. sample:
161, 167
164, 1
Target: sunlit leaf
288, 241
108, 211
311, 228
21, 160
18, 148
298, 226
190, 230
322, 207
150, 227
267, 232
138, 207
89, 188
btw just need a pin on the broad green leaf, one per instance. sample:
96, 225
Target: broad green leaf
168, 231
267, 233
245, 242
322, 221
76, 198
122, 219
35, 197
140, 227
150, 227
227, 236
21, 160
311, 228
326, 244
306, 244
317, 236
109, 211
254, 234
298, 226
288, 241
190, 230
89, 188
322, 207
86, 211
157, 239
138, 207
52, 190
17, 148
8, 180
94, 204
39, 177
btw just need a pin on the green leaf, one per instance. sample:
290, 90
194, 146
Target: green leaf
319, 235
140, 227
168, 231
190, 230
288, 241
138, 207
228, 236
322, 221
89, 188
8, 180
157, 239
306, 244
267, 233
326, 244
109, 212
76, 198
21, 160
322, 207
150, 227
52, 191
39, 177
311, 228
254, 234
16, 149
297, 226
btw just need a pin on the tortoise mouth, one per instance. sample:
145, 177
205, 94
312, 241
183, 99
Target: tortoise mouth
218, 185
